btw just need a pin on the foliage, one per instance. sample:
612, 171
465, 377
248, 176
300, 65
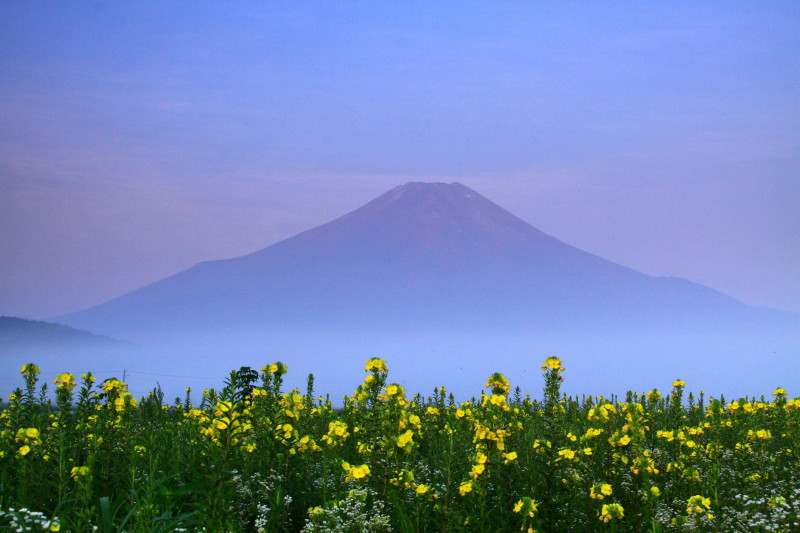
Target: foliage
254, 458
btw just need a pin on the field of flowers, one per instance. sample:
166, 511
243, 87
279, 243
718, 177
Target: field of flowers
251, 457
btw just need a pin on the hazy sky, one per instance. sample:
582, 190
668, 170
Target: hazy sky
139, 138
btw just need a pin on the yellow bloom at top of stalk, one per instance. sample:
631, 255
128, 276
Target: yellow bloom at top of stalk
275, 368
678, 383
376, 364
113, 384
30, 369
65, 381
780, 392
553, 363
498, 383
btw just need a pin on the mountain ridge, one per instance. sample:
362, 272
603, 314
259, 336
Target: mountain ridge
15, 331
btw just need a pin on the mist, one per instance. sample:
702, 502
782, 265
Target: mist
460, 361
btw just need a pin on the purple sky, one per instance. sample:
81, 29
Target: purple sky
139, 138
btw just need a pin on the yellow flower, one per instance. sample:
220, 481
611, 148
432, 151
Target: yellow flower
611, 511
360, 471
405, 440
79, 472
465, 487
30, 369
356, 472
779, 392
422, 489
606, 489
655, 491
497, 400
65, 381
498, 383
510, 456
698, 504
566, 453
376, 364
678, 383
526, 505
553, 363
477, 470
24, 450
338, 429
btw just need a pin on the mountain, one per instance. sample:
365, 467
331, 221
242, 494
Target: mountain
422, 256
448, 287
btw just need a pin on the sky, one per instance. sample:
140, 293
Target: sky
140, 138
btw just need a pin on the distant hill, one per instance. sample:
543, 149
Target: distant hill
17, 332
55, 348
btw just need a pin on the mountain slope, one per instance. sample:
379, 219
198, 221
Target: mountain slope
421, 256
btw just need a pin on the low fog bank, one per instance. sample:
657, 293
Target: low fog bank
596, 364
